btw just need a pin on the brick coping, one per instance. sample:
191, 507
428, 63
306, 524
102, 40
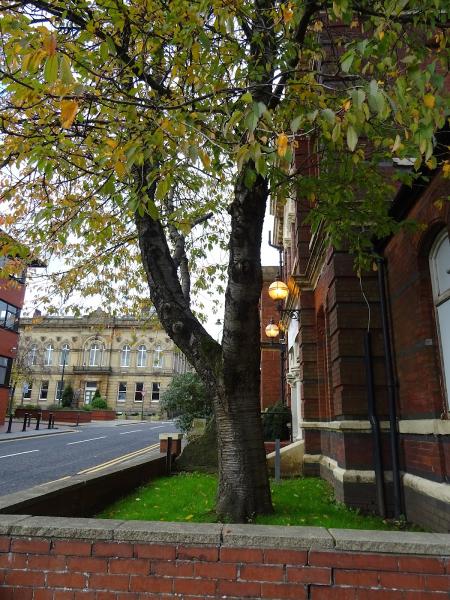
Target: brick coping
223, 535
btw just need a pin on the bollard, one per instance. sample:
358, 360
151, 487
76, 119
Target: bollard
29, 420
38, 421
50, 417
25, 419
277, 461
53, 421
78, 420
9, 424
169, 456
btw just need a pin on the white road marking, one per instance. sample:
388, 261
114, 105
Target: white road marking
159, 427
133, 431
89, 440
17, 453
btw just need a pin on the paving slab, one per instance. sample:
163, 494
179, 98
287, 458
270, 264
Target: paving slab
274, 536
391, 542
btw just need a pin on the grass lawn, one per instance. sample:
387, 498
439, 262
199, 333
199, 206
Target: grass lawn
190, 498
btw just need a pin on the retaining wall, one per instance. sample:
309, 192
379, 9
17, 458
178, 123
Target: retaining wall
54, 558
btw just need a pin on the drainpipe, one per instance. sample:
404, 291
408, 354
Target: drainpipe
375, 426
391, 388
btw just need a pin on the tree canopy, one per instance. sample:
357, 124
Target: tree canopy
160, 129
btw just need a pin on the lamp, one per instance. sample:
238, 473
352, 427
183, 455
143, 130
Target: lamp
278, 290
272, 329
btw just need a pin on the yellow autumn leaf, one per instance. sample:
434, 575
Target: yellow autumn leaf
120, 168
69, 109
439, 203
206, 161
189, 517
282, 144
346, 105
446, 169
288, 13
429, 100
49, 44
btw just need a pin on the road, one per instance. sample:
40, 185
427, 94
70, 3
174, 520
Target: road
37, 460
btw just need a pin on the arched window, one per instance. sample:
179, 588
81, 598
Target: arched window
440, 278
32, 355
142, 356
48, 355
95, 354
64, 356
157, 358
125, 356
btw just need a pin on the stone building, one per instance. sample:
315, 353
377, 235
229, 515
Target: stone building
130, 361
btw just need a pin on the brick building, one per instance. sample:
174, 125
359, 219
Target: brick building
12, 294
129, 361
397, 459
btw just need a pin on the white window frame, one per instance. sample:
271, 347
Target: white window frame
32, 356
158, 358
58, 397
64, 354
140, 392
42, 387
156, 391
125, 356
440, 297
48, 355
141, 360
119, 391
95, 350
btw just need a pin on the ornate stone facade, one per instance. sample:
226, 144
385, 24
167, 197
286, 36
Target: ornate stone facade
130, 361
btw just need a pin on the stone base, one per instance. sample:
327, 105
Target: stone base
426, 511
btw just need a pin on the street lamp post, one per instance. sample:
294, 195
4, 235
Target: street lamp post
142, 405
61, 383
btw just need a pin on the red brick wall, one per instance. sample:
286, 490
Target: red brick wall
13, 293
61, 569
270, 359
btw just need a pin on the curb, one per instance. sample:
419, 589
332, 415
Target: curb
33, 435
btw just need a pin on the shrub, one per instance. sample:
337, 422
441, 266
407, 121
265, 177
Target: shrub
187, 399
275, 422
86, 407
31, 406
98, 402
67, 396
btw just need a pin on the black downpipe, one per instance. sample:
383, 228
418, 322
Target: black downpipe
375, 426
389, 365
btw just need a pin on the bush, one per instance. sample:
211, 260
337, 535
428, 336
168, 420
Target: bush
275, 422
31, 407
187, 399
86, 407
98, 402
67, 396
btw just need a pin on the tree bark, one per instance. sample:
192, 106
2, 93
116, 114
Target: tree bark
231, 372
243, 480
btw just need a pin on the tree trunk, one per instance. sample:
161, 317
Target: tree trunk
243, 480
231, 372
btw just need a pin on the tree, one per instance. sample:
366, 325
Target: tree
67, 396
21, 371
125, 124
187, 398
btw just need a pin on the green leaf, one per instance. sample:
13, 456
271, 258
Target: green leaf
352, 138
247, 98
329, 115
295, 123
162, 188
51, 69
347, 60
65, 69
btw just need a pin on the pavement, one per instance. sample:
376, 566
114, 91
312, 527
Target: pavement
17, 425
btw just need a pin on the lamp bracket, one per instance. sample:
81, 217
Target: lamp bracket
293, 313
